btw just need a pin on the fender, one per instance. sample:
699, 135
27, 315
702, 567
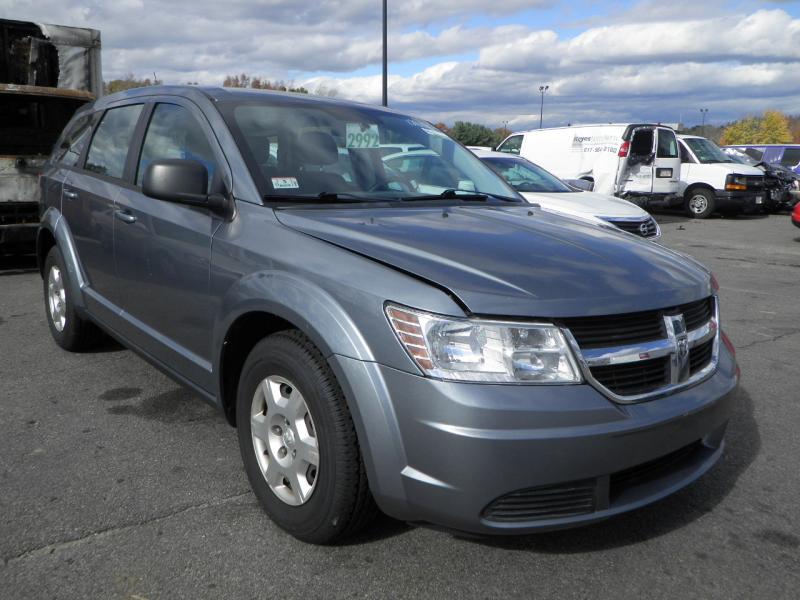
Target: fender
317, 314
75, 280
310, 308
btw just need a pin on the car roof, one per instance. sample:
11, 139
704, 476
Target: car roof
194, 92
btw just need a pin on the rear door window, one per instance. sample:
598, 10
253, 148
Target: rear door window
109, 147
667, 144
174, 132
512, 145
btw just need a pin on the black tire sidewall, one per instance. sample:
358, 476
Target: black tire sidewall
67, 338
710, 204
282, 356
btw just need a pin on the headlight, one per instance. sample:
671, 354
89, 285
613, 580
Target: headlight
735, 182
489, 351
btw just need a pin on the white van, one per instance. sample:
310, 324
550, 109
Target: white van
637, 161
712, 181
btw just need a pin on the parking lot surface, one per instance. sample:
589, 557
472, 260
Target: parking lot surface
117, 483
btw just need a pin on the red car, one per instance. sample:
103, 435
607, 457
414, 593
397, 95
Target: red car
796, 215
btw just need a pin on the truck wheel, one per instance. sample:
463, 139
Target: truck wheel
699, 204
69, 331
298, 442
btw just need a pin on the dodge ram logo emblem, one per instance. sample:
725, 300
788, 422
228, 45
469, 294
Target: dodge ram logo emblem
679, 357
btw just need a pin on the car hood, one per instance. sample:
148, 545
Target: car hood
738, 168
512, 261
585, 204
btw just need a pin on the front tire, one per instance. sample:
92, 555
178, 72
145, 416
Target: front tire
700, 203
298, 442
68, 329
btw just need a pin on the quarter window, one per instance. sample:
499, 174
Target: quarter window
109, 147
173, 132
69, 149
512, 145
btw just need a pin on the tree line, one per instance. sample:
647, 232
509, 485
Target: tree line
772, 127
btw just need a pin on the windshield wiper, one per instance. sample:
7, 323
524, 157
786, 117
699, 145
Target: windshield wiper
451, 194
323, 197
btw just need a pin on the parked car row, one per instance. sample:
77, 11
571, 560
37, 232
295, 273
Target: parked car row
654, 167
386, 321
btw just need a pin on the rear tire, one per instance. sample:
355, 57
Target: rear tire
298, 442
700, 203
69, 330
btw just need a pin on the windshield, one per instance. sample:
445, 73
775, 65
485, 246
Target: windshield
707, 151
300, 149
524, 176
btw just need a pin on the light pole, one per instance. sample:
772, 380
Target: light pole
542, 90
703, 112
385, 60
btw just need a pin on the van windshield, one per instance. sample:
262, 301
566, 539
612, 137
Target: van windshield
303, 150
524, 176
707, 151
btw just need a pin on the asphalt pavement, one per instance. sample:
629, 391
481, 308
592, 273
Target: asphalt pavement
117, 483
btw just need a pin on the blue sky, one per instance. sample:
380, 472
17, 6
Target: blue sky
621, 60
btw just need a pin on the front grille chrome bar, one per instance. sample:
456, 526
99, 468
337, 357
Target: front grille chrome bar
596, 357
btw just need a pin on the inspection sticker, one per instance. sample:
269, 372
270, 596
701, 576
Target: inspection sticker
284, 183
362, 136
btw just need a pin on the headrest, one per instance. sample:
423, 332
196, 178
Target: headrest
317, 148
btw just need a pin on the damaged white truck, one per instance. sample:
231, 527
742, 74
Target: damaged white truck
636, 161
46, 73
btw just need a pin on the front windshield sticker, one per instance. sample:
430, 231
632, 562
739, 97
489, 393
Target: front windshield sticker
362, 136
285, 183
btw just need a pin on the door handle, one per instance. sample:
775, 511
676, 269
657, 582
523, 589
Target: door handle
71, 195
125, 216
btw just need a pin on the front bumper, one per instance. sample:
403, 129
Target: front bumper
742, 201
457, 455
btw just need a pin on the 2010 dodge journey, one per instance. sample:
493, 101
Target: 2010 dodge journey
414, 337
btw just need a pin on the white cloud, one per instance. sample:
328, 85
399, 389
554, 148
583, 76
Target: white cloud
655, 61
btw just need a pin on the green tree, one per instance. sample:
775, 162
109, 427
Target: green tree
257, 83
773, 128
744, 131
472, 134
127, 83
500, 134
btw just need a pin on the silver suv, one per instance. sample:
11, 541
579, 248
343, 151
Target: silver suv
421, 342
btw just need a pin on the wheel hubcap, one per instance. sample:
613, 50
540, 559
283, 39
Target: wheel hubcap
284, 440
56, 298
698, 204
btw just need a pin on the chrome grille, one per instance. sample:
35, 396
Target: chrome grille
646, 227
637, 356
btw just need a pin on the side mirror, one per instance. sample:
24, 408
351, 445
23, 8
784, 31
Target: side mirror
182, 181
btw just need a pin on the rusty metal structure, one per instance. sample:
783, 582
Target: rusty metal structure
46, 73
